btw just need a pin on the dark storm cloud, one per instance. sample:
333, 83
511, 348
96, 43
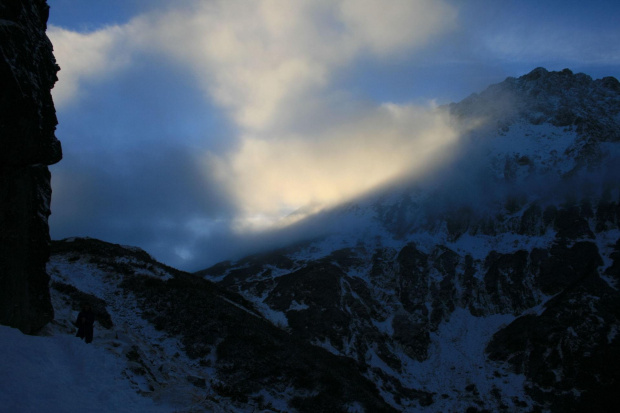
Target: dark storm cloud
140, 197
133, 171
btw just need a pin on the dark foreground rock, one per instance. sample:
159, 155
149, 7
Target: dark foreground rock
27, 124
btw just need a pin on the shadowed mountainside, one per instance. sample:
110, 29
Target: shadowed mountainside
233, 356
508, 258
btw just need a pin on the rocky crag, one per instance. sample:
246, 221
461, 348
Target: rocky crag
27, 124
491, 287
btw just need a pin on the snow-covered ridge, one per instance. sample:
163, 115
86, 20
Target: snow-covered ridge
492, 286
153, 365
172, 341
523, 224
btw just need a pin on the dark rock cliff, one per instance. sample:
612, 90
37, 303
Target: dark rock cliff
27, 124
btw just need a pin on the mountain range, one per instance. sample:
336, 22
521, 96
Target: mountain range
491, 285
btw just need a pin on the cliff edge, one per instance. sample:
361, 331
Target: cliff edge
27, 124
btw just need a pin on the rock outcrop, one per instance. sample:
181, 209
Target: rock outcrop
27, 124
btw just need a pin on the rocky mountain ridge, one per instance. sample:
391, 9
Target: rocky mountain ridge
491, 287
522, 228
192, 345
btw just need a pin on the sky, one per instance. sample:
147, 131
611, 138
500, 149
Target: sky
189, 128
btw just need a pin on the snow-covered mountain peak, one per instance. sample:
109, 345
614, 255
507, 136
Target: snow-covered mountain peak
559, 98
522, 224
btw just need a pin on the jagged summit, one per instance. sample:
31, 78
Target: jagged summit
538, 141
474, 285
558, 98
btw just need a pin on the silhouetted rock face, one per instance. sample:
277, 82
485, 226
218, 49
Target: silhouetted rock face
27, 124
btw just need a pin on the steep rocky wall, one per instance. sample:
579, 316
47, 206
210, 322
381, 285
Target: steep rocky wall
28, 145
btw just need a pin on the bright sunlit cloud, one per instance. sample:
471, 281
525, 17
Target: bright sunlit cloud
272, 178
264, 61
287, 104
260, 59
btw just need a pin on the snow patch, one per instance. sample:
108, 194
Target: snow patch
457, 360
277, 318
295, 306
613, 333
62, 373
385, 326
327, 345
605, 242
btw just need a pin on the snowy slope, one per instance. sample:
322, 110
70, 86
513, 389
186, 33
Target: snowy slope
165, 341
60, 373
129, 367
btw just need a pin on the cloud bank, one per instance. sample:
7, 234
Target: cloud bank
273, 178
300, 142
193, 124
255, 58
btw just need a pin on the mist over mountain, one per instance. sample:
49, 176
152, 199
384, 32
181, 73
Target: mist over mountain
544, 139
487, 284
